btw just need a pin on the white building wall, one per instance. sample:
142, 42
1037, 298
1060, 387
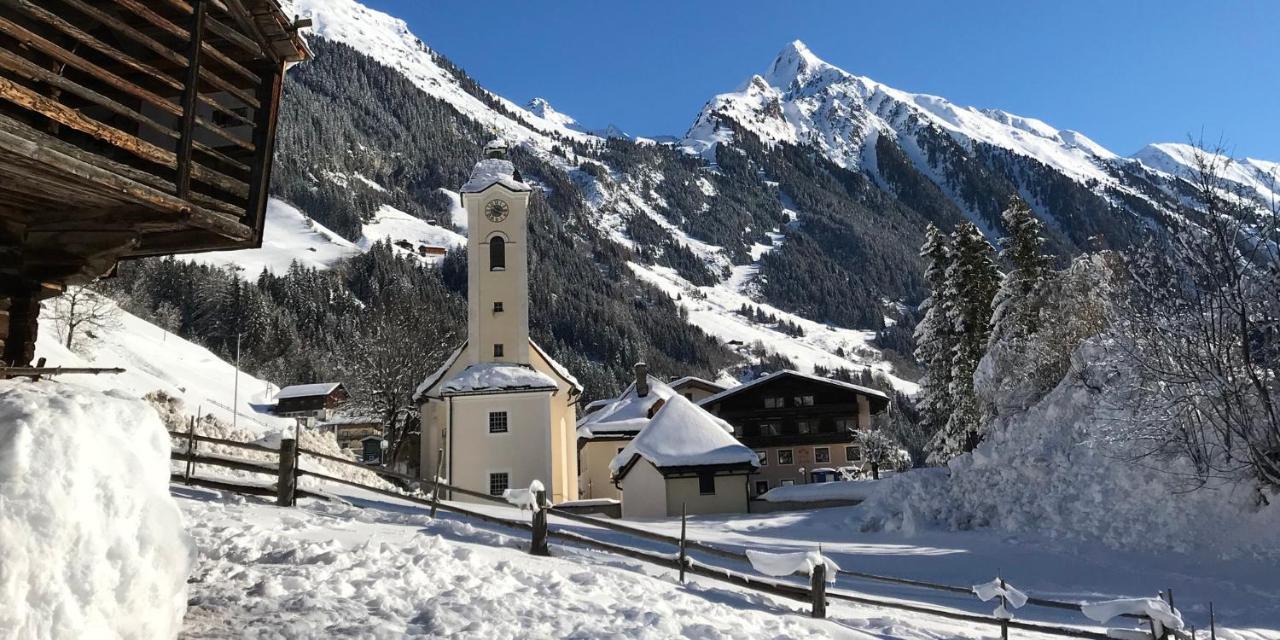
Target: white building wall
730, 496
595, 480
644, 492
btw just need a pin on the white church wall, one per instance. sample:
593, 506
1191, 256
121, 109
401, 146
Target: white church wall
523, 451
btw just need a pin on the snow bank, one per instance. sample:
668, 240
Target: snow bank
93, 546
780, 565
1052, 470
817, 492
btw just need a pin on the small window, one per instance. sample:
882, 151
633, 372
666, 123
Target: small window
498, 482
802, 401
497, 254
785, 457
845, 424
852, 452
804, 426
787, 483
707, 484
762, 487
775, 403
372, 450
764, 458
497, 422
497, 307
821, 454
497, 351
768, 428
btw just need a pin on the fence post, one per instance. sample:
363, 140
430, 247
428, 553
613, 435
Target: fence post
538, 547
1004, 623
435, 482
818, 586
287, 481
1213, 625
191, 448
684, 558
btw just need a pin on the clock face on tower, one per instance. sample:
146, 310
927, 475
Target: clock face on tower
496, 210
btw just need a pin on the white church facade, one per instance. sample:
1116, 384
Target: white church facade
500, 412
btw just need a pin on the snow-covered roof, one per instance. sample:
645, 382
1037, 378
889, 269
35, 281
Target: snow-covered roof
682, 434
789, 372
557, 367
491, 171
497, 376
625, 415
676, 384
308, 390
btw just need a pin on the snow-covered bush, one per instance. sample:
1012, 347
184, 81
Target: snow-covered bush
1052, 470
91, 543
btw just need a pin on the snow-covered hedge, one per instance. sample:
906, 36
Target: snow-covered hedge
91, 543
1053, 470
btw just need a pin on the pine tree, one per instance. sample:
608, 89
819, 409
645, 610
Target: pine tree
1016, 308
971, 283
933, 336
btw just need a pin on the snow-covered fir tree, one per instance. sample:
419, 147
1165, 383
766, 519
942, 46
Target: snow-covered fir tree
1015, 310
971, 283
933, 335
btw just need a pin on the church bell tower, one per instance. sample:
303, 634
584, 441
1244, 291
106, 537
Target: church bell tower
497, 204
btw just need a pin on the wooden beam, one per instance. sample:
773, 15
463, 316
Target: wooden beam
30, 70
189, 95
160, 49
58, 112
156, 19
61, 55
264, 139
43, 153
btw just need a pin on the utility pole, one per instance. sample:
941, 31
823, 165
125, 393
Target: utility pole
235, 387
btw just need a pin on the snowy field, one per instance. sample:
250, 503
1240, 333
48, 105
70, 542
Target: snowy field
366, 567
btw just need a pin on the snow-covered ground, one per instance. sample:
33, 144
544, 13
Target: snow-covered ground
373, 567
156, 360
289, 236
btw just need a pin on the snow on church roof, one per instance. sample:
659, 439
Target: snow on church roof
491, 171
497, 376
682, 434
432, 380
625, 415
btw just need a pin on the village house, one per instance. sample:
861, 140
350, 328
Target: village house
309, 400
603, 433
499, 413
802, 427
684, 459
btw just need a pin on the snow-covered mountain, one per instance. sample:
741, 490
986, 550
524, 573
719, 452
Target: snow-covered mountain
1176, 159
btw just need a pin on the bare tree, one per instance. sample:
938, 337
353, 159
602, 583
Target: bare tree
80, 314
1200, 325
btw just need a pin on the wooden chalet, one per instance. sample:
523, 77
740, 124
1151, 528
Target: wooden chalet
130, 128
310, 400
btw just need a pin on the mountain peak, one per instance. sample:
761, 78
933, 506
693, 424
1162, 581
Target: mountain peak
795, 61
542, 108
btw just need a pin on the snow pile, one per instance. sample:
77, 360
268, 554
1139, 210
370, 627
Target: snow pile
524, 498
91, 544
497, 376
684, 434
999, 589
853, 490
780, 565
1051, 470
1158, 611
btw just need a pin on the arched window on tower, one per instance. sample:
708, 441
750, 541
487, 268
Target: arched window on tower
497, 254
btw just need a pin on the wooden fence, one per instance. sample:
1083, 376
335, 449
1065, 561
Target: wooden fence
816, 593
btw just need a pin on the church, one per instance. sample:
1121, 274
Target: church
499, 413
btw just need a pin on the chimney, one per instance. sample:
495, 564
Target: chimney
642, 379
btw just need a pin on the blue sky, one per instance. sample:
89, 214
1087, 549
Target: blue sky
1124, 72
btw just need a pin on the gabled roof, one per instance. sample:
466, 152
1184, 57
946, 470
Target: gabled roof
492, 377
682, 434
625, 415
695, 380
491, 171
432, 380
308, 390
777, 375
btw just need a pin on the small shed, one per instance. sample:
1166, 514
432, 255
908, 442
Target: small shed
309, 400
685, 457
